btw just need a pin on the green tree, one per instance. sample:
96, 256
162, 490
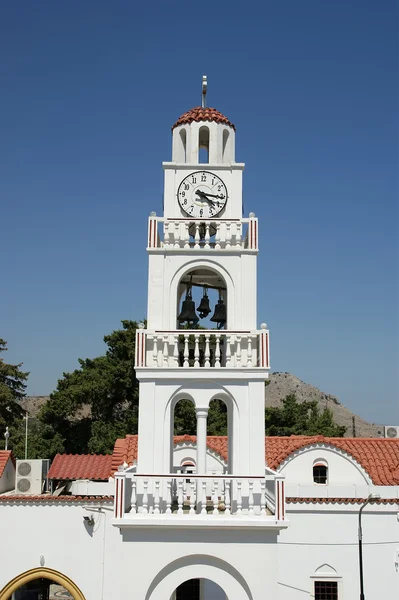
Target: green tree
301, 418
99, 401
12, 389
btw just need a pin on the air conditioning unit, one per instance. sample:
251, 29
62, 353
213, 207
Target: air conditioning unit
31, 476
391, 431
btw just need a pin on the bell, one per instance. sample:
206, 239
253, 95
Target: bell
219, 316
188, 310
204, 308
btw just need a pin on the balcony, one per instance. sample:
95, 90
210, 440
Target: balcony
205, 348
198, 234
173, 500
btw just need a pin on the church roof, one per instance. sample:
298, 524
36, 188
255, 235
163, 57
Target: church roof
5, 456
96, 467
199, 113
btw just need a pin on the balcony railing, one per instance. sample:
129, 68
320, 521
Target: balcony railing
140, 495
202, 349
218, 234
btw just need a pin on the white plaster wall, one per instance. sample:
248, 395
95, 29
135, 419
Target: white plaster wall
108, 565
342, 469
328, 536
7, 480
188, 452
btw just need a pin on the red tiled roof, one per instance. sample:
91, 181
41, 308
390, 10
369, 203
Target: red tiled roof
198, 113
50, 498
81, 466
378, 456
4, 456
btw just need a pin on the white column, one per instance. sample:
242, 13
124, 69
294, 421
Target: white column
202, 416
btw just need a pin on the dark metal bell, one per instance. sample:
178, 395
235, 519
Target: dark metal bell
220, 314
204, 308
188, 310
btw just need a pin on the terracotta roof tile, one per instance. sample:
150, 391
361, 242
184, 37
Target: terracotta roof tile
50, 498
5, 455
339, 501
378, 456
198, 113
96, 467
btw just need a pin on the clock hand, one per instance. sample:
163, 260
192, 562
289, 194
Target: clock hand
221, 196
204, 196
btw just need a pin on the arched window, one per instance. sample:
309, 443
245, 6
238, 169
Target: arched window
226, 146
320, 472
183, 146
203, 145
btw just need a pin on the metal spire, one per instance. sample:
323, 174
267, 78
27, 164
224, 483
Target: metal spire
7, 435
204, 90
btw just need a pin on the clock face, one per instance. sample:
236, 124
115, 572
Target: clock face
202, 195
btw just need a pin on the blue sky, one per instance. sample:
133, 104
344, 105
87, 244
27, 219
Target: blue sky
89, 93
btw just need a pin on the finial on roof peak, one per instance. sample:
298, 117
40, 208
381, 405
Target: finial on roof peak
204, 90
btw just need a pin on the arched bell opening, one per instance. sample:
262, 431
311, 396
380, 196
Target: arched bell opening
203, 144
202, 300
38, 584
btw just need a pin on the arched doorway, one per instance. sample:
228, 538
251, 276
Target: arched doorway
199, 589
44, 577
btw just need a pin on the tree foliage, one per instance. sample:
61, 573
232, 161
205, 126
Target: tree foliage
98, 402
301, 418
12, 389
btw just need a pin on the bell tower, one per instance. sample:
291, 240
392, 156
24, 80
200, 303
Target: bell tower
202, 340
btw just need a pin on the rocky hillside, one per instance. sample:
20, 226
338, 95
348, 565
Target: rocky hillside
281, 384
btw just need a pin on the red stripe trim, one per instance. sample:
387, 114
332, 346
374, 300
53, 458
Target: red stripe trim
278, 501
283, 500
142, 350
262, 351
122, 500
255, 236
116, 496
267, 349
155, 234
149, 233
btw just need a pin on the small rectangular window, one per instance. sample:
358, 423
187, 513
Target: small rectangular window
326, 590
320, 474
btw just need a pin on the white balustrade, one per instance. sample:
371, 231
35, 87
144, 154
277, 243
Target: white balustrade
207, 348
203, 234
207, 495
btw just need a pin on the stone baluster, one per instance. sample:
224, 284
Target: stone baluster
180, 497
207, 236
239, 499
165, 352
251, 498
186, 240
228, 350
215, 496
217, 236
203, 497
263, 497
133, 501
197, 236
192, 498
238, 233
228, 235
217, 351
227, 496
238, 352
166, 234
207, 350
249, 352
176, 234
156, 497
196, 350
145, 496
186, 364
168, 497
175, 350
155, 351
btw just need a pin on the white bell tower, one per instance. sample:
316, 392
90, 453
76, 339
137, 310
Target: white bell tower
202, 244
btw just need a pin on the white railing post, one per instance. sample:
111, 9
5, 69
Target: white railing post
262, 497
119, 498
280, 499
156, 497
145, 497
264, 347
249, 352
180, 496
207, 236
155, 350
165, 351
217, 351
175, 350
186, 353
227, 497
168, 497
228, 350
251, 497
196, 350
207, 351
239, 499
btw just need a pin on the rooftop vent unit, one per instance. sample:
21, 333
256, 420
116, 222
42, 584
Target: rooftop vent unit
391, 431
31, 476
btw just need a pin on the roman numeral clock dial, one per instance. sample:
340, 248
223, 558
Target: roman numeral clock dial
202, 195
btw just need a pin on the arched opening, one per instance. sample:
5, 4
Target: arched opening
203, 145
320, 472
183, 145
226, 146
39, 584
199, 589
201, 302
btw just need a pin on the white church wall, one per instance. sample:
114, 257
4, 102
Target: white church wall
188, 453
322, 543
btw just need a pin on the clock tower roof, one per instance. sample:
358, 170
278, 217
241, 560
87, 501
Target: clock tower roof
201, 113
